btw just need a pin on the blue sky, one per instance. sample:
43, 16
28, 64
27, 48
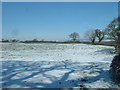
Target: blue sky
54, 20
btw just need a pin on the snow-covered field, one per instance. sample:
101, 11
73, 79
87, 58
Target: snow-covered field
49, 65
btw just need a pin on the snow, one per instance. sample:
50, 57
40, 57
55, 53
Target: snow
47, 65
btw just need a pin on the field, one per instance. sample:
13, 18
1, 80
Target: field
49, 65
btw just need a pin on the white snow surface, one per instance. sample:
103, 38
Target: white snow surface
48, 65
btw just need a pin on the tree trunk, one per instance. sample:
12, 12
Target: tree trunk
117, 47
93, 41
100, 40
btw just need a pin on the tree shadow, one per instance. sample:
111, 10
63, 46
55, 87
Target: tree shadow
12, 68
107, 51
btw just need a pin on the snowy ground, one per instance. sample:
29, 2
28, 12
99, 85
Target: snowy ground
56, 65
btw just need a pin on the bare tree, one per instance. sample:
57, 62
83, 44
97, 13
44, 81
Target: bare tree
113, 32
91, 35
74, 36
100, 35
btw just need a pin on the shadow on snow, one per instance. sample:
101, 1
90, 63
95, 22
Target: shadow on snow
13, 68
107, 51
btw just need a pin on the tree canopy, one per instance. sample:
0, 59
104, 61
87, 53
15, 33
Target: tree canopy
74, 36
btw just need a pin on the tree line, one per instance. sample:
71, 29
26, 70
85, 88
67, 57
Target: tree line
112, 32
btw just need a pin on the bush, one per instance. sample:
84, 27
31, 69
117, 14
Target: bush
115, 69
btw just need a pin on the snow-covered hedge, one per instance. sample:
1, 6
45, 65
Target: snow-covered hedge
115, 69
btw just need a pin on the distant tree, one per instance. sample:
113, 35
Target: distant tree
2, 39
74, 36
35, 40
5, 40
26, 41
14, 40
100, 35
91, 35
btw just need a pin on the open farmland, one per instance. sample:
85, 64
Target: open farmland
51, 65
